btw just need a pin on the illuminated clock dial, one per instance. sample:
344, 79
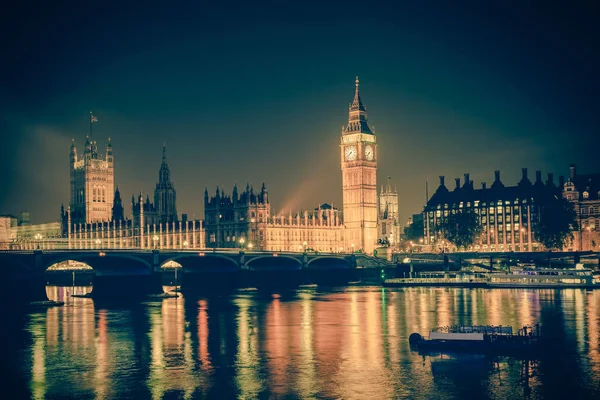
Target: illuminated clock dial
350, 153
369, 152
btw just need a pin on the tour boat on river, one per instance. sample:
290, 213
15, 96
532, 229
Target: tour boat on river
486, 339
545, 278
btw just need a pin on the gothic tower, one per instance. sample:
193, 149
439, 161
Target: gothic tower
92, 184
164, 194
389, 227
117, 210
359, 179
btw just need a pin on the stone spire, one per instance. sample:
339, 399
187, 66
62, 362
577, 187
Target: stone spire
357, 120
165, 196
164, 175
357, 103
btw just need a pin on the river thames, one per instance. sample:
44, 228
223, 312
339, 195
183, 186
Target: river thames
309, 343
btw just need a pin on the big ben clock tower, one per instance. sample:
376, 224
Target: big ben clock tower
359, 179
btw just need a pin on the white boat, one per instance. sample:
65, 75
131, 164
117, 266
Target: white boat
545, 278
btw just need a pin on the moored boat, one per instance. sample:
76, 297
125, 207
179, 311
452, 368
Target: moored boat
480, 339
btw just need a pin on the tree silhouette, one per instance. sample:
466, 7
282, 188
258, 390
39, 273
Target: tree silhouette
414, 231
461, 229
558, 220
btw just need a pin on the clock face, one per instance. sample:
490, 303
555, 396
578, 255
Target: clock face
350, 153
369, 152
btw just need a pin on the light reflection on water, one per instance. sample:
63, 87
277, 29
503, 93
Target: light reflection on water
349, 343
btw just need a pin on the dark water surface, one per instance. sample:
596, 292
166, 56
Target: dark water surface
340, 343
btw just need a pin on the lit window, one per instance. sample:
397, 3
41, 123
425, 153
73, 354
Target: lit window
586, 195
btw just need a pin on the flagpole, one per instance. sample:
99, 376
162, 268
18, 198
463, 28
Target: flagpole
91, 138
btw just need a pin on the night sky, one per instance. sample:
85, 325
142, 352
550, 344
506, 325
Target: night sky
257, 92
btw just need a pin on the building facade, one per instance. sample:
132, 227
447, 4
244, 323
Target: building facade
19, 234
92, 183
228, 219
508, 214
244, 220
583, 191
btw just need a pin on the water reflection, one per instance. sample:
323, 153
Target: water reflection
347, 343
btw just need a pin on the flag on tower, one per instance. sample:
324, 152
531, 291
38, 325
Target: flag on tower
94, 119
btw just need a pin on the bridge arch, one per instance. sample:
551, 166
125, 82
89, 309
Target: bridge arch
105, 263
274, 263
329, 262
69, 265
170, 264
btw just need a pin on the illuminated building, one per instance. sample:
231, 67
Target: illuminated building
92, 184
248, 216
359, 179
245, 220
20, 234
151, 226
230, 218
319, 230
507, 214
96, 218
583, 191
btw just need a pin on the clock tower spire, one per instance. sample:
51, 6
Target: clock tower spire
359, 179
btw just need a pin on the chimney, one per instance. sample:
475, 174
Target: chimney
572, 172
441, 180
561, 182
483, 185
467, 181
550, 180
497, 175
524, 174
538, 176
457, 183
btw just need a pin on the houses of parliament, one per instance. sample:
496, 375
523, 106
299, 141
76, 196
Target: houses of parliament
95, 216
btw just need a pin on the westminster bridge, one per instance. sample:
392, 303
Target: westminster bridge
123, 270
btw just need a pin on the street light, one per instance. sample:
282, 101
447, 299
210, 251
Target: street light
38, 237
250, 245
155, 240
98, 243
304, 244
185, 244
352, 247
242, 241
